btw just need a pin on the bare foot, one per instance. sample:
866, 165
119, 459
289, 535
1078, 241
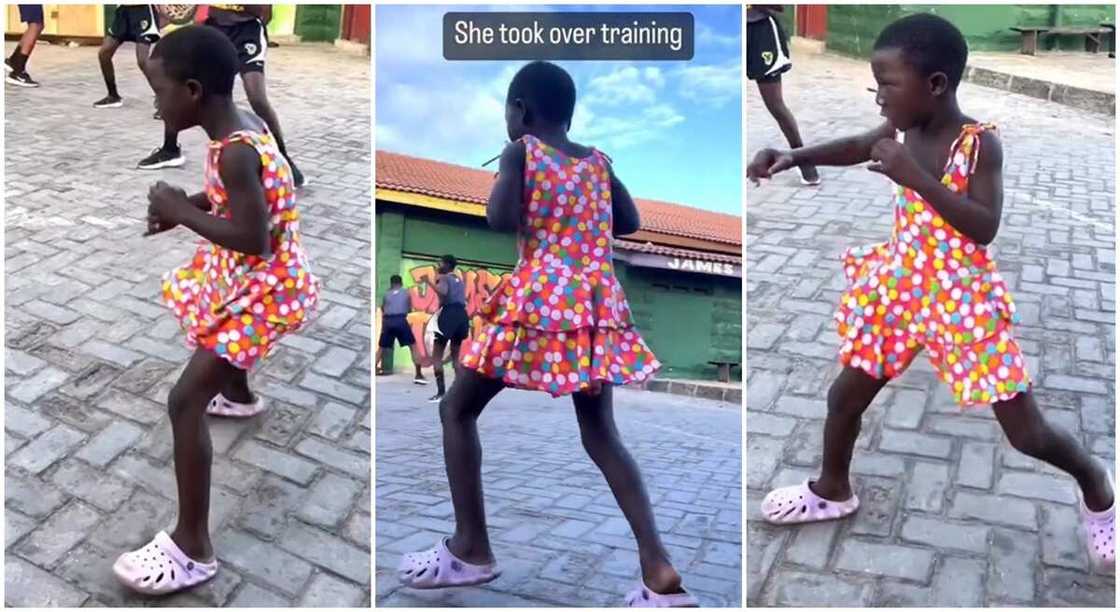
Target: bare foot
1100, 496
832, 492
473, 554
661, 577
195, 547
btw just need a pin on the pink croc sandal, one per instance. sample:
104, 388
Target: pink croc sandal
437, 568
220, 406
798, 504
161, 568
645, 597
1100, 532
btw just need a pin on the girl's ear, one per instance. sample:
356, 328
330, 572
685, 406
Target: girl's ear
194, 90
521, 112
938, 83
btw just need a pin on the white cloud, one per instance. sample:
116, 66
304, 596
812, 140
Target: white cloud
712, 85
624, 86
707, 37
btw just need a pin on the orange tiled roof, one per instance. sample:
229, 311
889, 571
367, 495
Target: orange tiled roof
472, 185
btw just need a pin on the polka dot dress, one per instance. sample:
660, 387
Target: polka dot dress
239, 305
932, 287
560, 321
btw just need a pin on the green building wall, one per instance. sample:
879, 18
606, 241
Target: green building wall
852, 28
687, 319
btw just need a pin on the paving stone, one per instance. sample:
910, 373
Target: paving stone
16, 526
916, 444
268, 505
329, 500
926, 490
253, 596
880, 499
976, 463
101, 490
1062, 539
331, 420
943, 534
799, 589
1038, 486
31, 496
266, 458
327, 551
28, 586
110, 442
333, 388
64, 530
24, 422
355, 465
1011, 573
960, 583
885, 560
43, 381
265, 562
328, 591
48, 448
994, 509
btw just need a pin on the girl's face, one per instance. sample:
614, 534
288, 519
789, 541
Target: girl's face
177, 102
515, 119
904, 96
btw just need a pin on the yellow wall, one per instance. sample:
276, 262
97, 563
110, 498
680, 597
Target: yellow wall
64, 19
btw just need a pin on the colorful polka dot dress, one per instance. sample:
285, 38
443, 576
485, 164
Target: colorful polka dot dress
239, 305
932, 287
560, 321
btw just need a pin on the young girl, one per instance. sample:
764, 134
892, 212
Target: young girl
934, 284
560, 324
248, 284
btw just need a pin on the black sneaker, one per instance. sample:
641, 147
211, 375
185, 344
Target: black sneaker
435, 399
162, 158
109, 102
419, 380
21, 79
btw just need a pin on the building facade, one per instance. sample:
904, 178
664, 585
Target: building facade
851, 29
86, 23
682, 272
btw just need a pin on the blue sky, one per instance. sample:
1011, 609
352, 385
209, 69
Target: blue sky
673, 128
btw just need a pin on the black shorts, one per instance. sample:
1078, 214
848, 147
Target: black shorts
767, 51
454, 323
137, 24
31, 13
251, 40
395, 327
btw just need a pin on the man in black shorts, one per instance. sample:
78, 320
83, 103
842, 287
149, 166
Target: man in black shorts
394, 326
767, 59
453, 323
32, 15
134, 23
244, 25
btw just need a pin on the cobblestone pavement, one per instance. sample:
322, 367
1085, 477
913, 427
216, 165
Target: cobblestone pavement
91, 352
951, 515
557, 532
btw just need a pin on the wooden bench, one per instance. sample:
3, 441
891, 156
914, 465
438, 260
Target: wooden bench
724, 369
1031, 34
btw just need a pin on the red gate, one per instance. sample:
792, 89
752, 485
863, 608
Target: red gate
812, 21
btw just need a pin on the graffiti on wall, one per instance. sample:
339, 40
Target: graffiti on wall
479, 283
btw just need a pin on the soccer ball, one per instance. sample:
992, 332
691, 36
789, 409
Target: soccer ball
178, 14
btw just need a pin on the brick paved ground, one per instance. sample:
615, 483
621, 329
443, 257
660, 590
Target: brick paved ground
557, 532
91, 352
951, 515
